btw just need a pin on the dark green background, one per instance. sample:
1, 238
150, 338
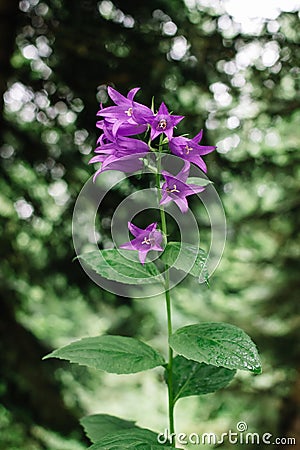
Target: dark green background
56, 59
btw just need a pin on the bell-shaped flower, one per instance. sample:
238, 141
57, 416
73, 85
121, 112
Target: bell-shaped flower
190, 150
144, 240
163, 122
122, 153
126, 117
175, 188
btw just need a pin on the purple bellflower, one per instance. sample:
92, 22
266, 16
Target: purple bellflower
117, 151
122, 153
144, 240
163, 122
130, 116
175, 188
190, 150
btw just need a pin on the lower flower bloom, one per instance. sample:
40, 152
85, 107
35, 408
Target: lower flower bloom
145, 240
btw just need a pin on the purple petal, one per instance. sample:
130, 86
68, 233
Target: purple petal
128, 146
99, 124
96, 174
157, 247
205, 149
97, 158
195, 189
127, 246
141, 113
198, 137
110, 111
166, 174
116, 97
177, 142
127, 164
165, 198
132, 93
169, 133
157, 236
151, 227
163, 109
198, 161
183, 204
116, 126
143, 256
154, 133
176, 119
184, 173
128, 129
134, 230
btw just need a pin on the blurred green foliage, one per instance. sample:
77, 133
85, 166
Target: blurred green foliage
242, 86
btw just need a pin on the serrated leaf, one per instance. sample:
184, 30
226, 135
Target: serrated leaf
219, 344
189, 258
97, 426
194, 378
114, 354
140, 439
113, 265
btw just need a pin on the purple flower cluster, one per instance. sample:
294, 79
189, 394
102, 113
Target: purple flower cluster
118, 150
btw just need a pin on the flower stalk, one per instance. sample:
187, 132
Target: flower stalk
167, 298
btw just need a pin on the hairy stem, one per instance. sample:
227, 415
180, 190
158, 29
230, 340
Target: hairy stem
168, 303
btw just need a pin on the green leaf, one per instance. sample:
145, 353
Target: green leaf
135, 439
100, 426
114, 354
198, 181
189, 258
97, 426
113, 265
219, 344
193, 378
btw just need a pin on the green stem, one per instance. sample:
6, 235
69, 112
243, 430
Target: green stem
168, 304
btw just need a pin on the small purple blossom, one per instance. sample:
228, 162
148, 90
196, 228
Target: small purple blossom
144, 240
163, 122
175, 188
190, 150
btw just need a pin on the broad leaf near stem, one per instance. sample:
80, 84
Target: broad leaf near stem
113, 265
134, 439
114, 354
217, 343
97, 426
188, 258
193, 378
